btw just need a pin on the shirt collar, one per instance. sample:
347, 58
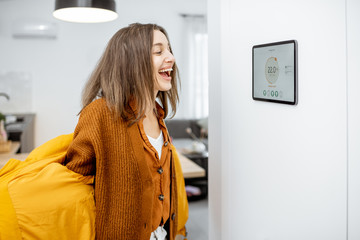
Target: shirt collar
160, 110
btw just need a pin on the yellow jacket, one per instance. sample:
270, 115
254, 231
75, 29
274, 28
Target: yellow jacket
40, 198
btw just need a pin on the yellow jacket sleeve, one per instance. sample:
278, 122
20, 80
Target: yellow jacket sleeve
40, 198
183, 207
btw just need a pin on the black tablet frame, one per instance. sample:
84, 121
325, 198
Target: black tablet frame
295, 72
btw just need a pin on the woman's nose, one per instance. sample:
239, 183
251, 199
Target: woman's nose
170, 58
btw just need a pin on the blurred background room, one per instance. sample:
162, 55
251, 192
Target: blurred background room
45, 62
254, 170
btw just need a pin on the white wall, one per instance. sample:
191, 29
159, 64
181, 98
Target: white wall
353, 50
284, 168
215, 103
59, 68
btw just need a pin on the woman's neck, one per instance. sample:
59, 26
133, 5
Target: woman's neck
150, 109
150, 122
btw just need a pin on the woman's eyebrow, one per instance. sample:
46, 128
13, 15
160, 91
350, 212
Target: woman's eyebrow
158, 44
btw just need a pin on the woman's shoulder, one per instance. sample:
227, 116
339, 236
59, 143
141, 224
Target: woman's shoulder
95, 109
100, 110
97, 106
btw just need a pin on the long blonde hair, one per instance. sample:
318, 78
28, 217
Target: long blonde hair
125, 73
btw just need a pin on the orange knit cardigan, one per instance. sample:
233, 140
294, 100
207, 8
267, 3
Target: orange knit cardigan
113, 152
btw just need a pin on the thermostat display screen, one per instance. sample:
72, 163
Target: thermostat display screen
275, 72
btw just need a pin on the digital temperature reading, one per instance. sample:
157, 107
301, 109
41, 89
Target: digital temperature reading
275, 72
271, 70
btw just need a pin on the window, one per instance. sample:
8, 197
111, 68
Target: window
194, 74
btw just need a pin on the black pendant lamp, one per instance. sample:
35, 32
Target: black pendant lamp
85, 11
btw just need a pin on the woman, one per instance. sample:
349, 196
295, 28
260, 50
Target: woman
121, 137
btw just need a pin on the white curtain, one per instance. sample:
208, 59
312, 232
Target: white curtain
195, 77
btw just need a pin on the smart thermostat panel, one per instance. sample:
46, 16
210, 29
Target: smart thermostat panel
274, 72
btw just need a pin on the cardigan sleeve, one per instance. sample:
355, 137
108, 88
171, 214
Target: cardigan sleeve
81, 157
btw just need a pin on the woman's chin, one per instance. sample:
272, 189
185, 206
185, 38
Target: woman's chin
164, 86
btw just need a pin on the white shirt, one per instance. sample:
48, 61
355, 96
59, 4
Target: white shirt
159, 234
157, 143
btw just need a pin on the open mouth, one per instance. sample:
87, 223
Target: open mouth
166, 72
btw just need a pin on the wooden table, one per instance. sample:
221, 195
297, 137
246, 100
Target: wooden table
189, 168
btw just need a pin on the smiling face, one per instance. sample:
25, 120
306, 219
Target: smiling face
163, 61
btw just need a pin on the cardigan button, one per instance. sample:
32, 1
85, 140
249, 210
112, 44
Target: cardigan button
160, 170
173, 216
161, 197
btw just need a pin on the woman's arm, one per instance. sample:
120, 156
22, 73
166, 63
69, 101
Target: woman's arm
81, 156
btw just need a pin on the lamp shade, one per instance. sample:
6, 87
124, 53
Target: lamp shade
85, 11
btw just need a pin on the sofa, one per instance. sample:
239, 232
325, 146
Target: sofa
178, 127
